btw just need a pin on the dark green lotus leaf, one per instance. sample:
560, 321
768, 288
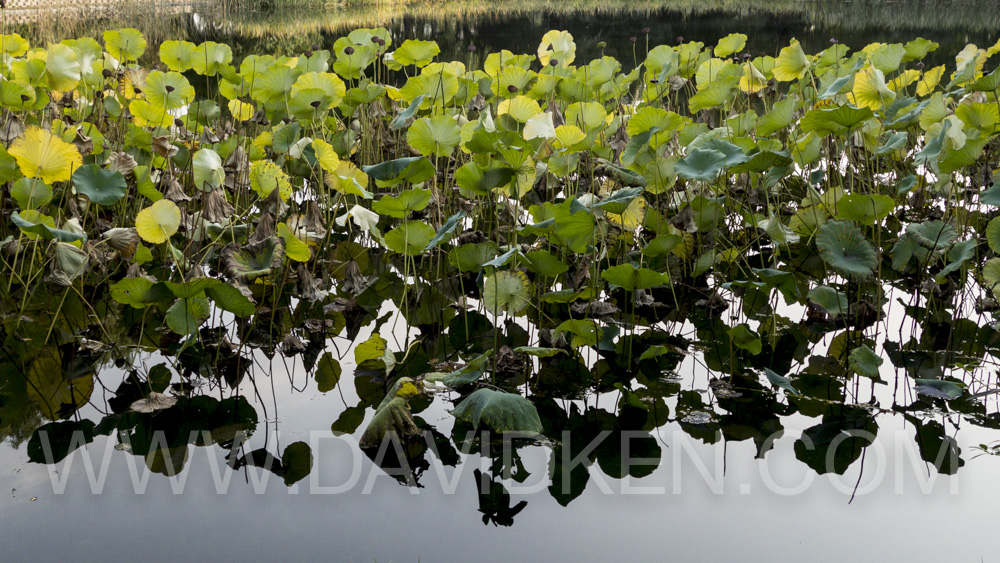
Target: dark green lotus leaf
103, 187
619, 201
474, 180
186, 315
701, 164
630, 278
140, 292
414, 169
473, 256
844, 248
832, 301
470, 373
500, 412
45, 231
865, 362
623, 176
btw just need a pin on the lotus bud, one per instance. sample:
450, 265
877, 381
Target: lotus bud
645, 31
601, 44
471, 48
833, 41
632, 39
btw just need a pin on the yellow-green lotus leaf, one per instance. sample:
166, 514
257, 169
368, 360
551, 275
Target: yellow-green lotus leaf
158, 222
177, 54
632, 217
904, 79
242, 111
416, 52
752, 80
168, 90
265, 176
520, 108
713, 69
325, 155
41, 154
13, 45
495, 62
929, 81
732, 43
586, 115
870, 90
209, 58
569, 136
62, 67
434, 136
791, 63
328, 82
125, 44
558, 45
145, 114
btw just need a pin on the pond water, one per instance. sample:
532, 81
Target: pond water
724, 466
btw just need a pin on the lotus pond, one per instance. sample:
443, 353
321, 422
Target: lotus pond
339, 302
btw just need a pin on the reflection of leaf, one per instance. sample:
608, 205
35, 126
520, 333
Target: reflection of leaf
938, 389
51, 389
499, 411
152, 403
254, 260
296, 462
327, 373
780, 381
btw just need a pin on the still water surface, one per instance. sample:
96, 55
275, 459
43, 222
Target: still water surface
707, 499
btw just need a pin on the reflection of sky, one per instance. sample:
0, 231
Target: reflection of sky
750, 519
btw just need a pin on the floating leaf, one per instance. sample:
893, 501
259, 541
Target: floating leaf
500, 412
